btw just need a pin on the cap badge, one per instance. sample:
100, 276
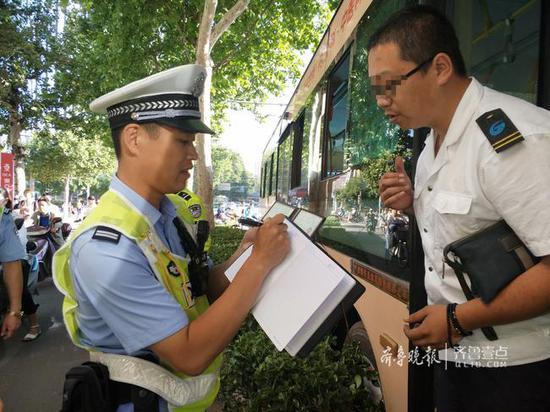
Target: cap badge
198, 85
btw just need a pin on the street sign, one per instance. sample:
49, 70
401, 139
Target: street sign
6, 174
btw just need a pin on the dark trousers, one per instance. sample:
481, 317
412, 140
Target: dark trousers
514, 388
27, 303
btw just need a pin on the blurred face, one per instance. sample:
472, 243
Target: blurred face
43, 206
3, 197
406, 95
167, 158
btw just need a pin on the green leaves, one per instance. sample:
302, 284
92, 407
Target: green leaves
108, 44
256, 377
228, 167
50, 72
28, 47
54, 156
225, 240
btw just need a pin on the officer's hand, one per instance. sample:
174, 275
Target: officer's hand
395, 187
431, 328
249, 238
271, 244
9, 326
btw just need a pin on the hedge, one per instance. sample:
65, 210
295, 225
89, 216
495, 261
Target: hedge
256, 377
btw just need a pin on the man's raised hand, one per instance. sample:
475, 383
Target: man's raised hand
396, 188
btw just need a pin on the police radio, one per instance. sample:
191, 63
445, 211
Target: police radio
198, 265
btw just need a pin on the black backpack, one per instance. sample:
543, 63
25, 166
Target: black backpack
87, 389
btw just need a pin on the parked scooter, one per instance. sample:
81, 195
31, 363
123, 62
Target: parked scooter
32, 259
43, 245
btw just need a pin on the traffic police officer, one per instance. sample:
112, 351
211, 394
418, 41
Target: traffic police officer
134, 273
11, 253
486, 159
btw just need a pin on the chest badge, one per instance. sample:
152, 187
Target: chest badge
196, 211
499, 130
173, 269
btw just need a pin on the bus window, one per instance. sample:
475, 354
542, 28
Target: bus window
272, 174
298, 195
265, 171
285, 164
298, 166
500, 41
337, 118
357, 223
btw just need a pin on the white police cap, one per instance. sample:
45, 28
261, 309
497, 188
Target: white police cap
170, 97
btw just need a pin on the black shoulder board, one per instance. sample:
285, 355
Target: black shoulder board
184, 195
7, 211
106, 233
499, 130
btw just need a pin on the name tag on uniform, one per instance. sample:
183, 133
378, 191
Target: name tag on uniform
499, 130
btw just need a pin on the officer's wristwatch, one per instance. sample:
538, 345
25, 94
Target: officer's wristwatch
17, 314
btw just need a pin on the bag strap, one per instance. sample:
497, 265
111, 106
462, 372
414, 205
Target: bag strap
488, 331
87, 388
102, 378
82, 391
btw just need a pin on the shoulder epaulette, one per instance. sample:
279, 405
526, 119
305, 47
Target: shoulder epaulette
194, 204
499, 130
7, 211
183, 194
107, 233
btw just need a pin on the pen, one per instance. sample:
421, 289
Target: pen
246, 221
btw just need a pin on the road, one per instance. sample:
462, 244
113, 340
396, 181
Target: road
32, 373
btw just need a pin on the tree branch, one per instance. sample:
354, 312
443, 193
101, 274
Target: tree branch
227, 20
205, 31
248, 39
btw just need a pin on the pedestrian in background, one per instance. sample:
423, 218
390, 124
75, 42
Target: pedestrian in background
11, 253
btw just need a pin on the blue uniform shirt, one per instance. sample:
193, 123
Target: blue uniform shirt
11, 248
122, 307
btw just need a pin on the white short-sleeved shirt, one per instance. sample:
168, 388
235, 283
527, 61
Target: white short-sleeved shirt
469, 186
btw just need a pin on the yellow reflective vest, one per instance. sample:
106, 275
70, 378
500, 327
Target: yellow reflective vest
115, 211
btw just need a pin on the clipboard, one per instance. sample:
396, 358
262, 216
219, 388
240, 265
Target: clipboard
303, 297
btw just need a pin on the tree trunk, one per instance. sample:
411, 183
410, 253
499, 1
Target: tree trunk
203, 167
66, 202
18, 152
208, 36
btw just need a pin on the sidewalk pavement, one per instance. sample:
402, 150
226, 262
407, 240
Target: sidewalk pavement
32, 373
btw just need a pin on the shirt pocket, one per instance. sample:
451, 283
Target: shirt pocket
452, 203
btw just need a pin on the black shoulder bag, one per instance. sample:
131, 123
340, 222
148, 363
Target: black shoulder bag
491, 258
